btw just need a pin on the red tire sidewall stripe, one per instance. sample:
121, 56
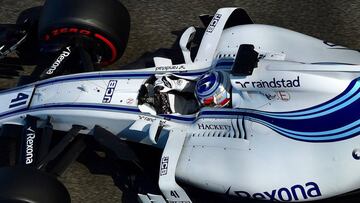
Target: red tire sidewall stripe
110, 45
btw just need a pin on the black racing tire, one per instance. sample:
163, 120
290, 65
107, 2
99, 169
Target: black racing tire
27, 185
105, 23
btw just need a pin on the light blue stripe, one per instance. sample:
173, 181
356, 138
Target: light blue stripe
328, 138
314, 134
303, 138
334, 103
329, 111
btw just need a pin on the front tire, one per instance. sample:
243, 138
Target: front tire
102, 25
27, 185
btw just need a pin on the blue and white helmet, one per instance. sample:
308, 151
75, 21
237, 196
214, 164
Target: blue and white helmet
213, 89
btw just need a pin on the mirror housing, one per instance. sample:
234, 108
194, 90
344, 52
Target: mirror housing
246, 60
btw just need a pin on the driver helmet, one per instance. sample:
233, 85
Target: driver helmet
213, 89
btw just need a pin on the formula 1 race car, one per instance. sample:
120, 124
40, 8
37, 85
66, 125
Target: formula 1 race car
251, 110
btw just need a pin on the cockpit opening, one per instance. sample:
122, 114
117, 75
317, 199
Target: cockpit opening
172, 94
168, 94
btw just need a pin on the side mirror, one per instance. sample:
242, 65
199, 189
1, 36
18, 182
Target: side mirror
246, 60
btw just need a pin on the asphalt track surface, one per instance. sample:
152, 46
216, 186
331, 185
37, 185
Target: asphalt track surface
336, 21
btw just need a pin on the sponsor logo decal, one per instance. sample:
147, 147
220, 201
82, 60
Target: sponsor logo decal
20, 99
57, 32
280, 95
284, 96
164, 165
295, 193
170, 68
109, 91
146, 118
274, 83
30, 136
68, 30
270, 96
203, 126
58, 61
213, 23
130, 100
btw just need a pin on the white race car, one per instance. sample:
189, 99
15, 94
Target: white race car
256, 111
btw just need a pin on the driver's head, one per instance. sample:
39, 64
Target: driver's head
213, 89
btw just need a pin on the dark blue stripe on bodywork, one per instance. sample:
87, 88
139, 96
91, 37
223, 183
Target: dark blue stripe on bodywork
87, 106
113, 75
339, 118
351, 85
324, 127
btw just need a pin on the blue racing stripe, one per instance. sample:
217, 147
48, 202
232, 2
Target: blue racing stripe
101, 75
347, 93
343, 129
87, 106
322, 111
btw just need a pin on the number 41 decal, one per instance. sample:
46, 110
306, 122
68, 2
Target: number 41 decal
20, 99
